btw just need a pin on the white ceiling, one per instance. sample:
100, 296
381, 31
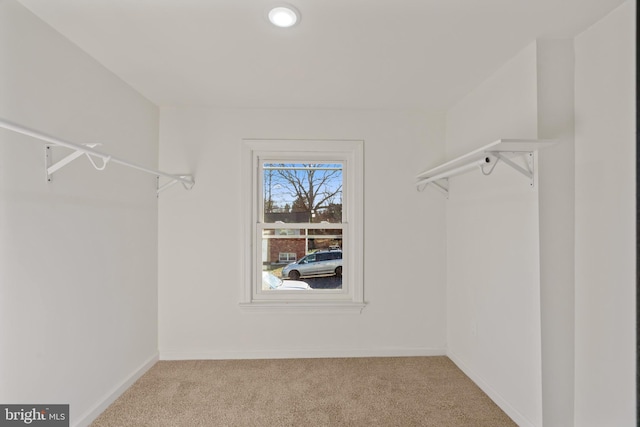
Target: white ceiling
343, 54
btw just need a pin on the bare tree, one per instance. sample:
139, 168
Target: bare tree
312, 187
268, 187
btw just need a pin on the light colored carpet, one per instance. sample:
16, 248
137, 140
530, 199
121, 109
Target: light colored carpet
396, 391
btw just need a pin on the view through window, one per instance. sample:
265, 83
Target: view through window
301, 222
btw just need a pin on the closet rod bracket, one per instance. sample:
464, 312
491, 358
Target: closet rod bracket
442, 186
187, 185
51, 168
528, 170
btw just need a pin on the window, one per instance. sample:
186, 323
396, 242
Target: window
287, 257
304, 222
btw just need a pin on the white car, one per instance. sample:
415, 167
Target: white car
271, 282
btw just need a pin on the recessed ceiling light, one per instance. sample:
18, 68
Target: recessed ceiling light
284, 16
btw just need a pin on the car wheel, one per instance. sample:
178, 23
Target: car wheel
294, 274
339, 271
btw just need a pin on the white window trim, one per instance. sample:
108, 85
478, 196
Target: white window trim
350, 154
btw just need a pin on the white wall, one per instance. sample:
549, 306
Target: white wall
556, 200
493, 300
201, 243
78, 256
605, 211
565, 356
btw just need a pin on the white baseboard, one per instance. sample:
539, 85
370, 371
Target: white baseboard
93, 413
499, 400
300, 354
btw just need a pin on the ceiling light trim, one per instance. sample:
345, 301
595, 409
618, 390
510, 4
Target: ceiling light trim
284, 16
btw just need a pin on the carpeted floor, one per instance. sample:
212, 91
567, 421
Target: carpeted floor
396, 391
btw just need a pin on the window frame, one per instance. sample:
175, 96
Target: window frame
350, 153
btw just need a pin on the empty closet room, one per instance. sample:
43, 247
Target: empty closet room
465, 171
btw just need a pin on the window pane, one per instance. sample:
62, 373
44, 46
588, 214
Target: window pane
309, 255
287, 257
302, 192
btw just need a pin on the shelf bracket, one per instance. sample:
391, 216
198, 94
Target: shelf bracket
51, 168
442, 186
528, 172
172, 182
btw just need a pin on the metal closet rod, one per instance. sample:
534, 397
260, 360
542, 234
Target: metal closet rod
186, 180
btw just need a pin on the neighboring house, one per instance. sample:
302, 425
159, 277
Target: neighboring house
286, 250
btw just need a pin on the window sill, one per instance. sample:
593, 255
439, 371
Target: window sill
328, 307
